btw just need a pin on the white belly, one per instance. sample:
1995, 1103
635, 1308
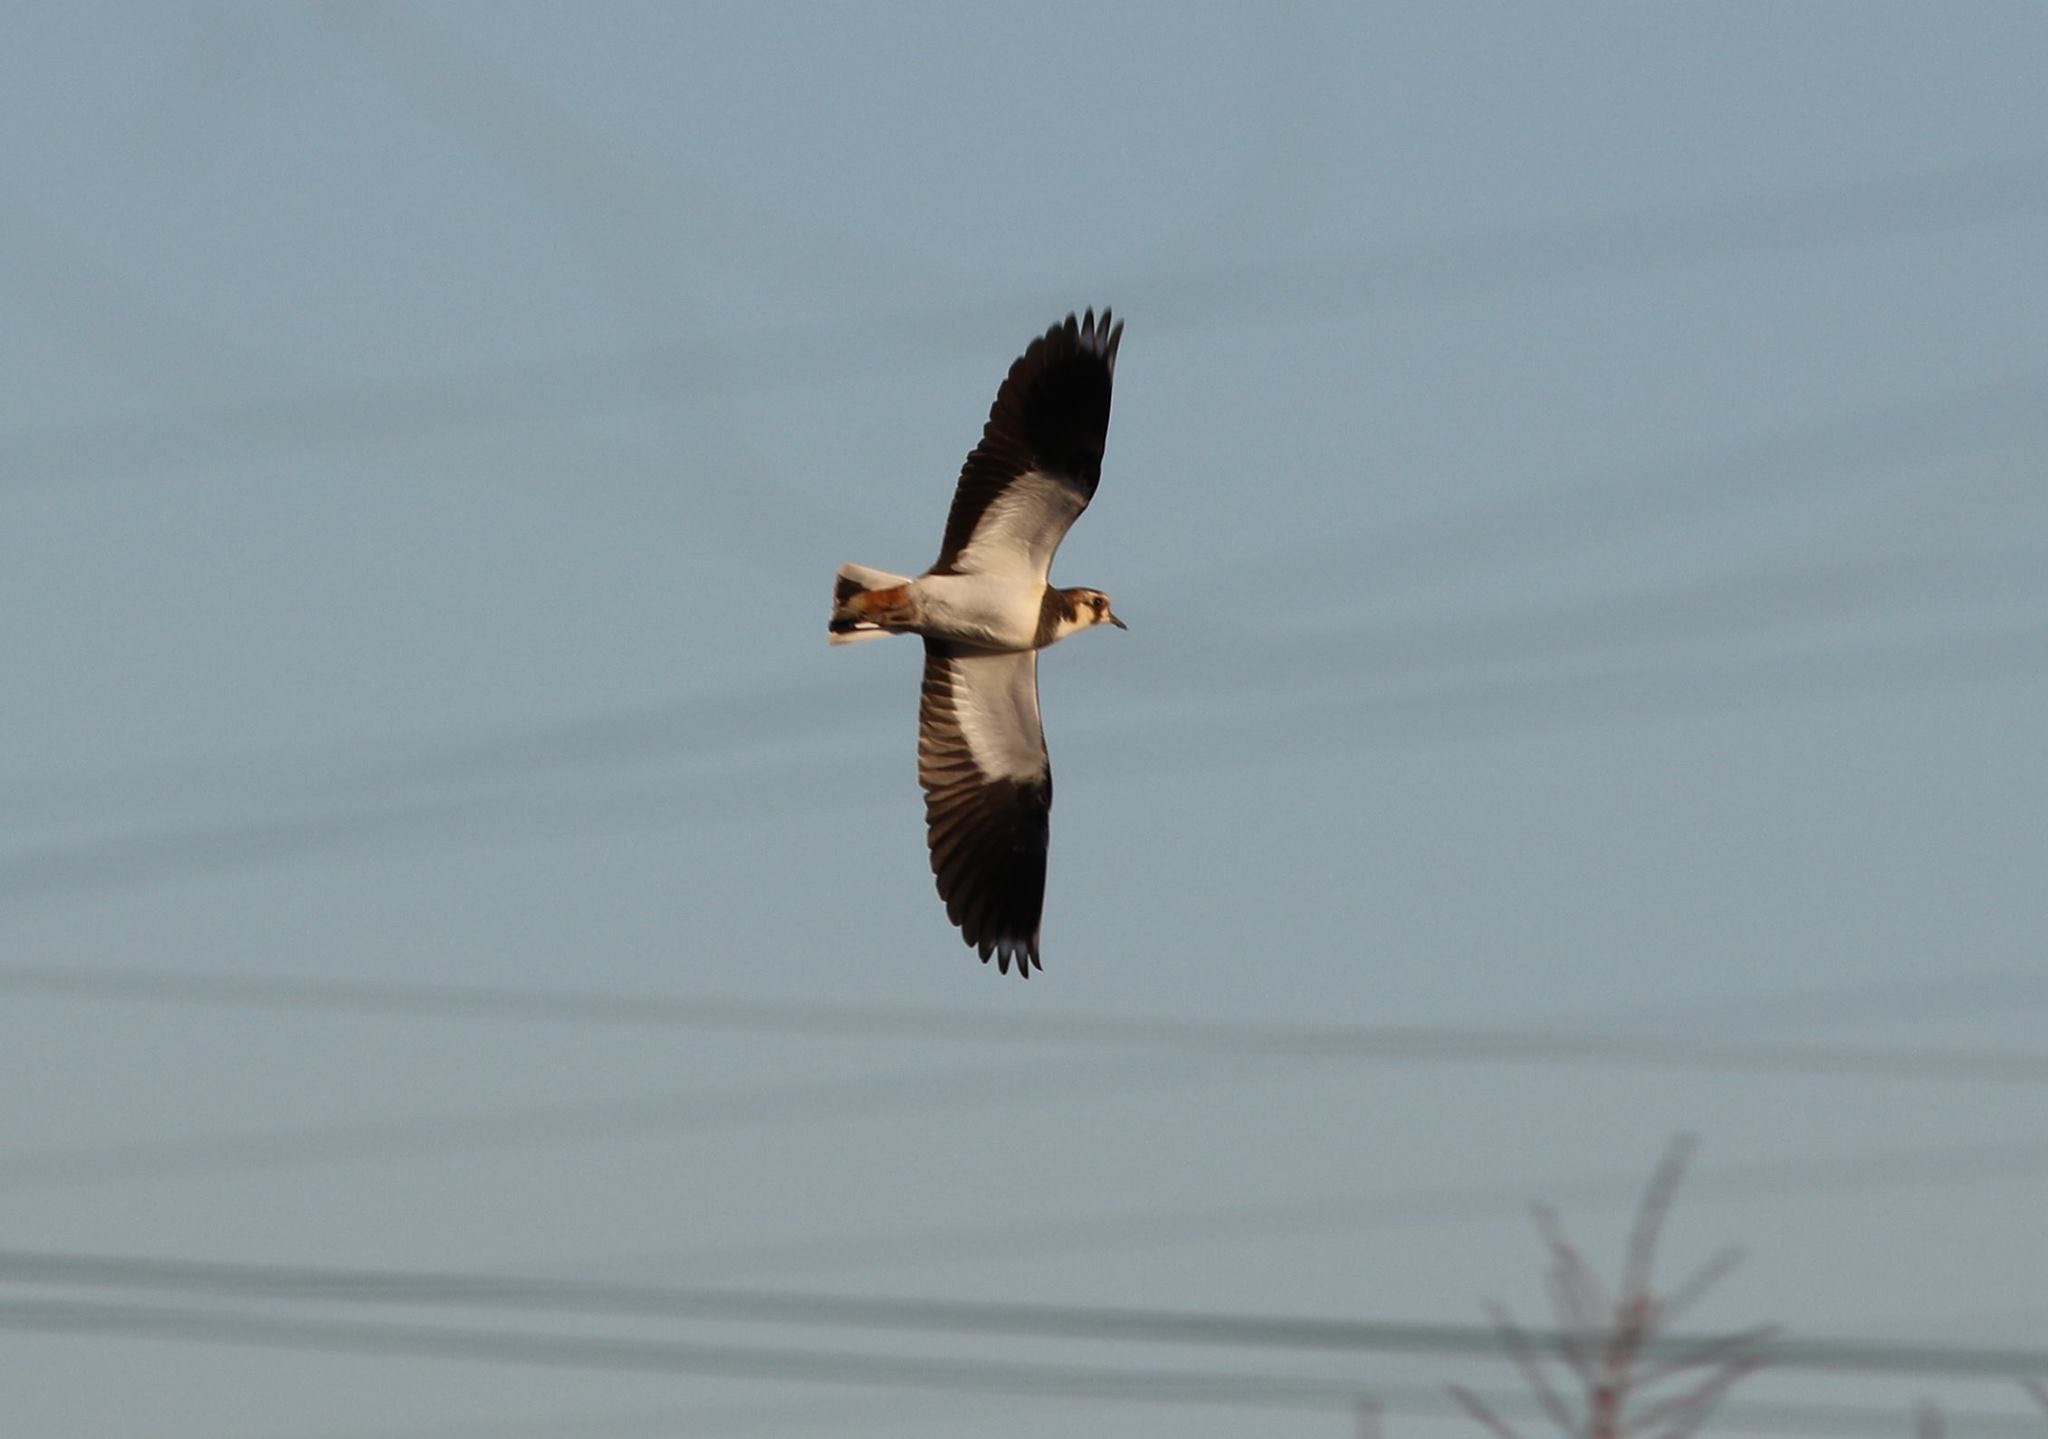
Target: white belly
996, 613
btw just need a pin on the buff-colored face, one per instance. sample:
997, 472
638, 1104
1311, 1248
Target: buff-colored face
1094, 608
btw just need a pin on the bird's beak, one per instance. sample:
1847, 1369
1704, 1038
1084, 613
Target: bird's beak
1117, 622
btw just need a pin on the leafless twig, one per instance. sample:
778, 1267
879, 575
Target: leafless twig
1368, 1412
1601, 1337
1473, 1405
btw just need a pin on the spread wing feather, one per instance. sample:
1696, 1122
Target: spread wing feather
1040, 455
987, 795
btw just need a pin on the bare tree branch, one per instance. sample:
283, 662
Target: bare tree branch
1642, 1244
1530, 1361
1369, 1425
1472, 1405
1682, 1414
1688, 1293
1718, 1350
1601, 1338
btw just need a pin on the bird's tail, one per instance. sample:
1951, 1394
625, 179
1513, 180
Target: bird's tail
850, 623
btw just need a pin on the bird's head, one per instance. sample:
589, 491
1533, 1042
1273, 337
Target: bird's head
1091, 607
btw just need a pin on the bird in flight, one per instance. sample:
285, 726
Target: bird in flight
985, 610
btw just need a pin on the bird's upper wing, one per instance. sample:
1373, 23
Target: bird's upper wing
1040, 454
987, 795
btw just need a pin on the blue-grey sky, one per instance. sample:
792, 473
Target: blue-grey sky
1575, 485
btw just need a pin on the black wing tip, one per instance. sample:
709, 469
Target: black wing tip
1024, 953
1097, 335
1050, 412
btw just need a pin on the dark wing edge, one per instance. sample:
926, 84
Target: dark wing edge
1050, 415
988, 836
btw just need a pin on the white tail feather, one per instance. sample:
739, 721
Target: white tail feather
846, 628
871, 579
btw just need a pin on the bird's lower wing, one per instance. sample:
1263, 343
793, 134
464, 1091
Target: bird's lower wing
988, 796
